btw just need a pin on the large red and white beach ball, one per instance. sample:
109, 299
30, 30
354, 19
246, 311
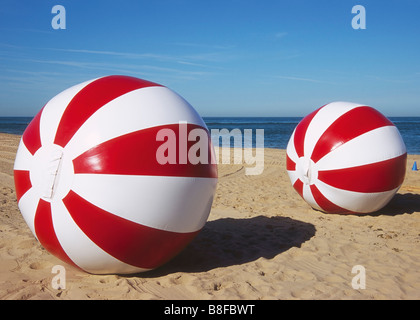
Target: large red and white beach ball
346, 158
91, 187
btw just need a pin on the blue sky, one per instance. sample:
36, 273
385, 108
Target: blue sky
227, 58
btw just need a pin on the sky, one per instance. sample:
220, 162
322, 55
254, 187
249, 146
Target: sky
226, 58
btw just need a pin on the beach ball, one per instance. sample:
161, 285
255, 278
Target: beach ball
107, 176
346, 158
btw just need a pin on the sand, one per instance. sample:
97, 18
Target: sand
262, 241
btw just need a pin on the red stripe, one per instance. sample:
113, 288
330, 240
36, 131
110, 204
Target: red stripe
290, 165
45, 233
135, 154
325, 204
31, 137
130, 242
300, 132
22, 183
91, 98
376, 177
298, 185
347, 127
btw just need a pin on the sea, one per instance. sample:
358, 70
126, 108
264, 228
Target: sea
277, 130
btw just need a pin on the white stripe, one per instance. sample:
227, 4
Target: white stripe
293, 176
178, 204
291, 148
133, 111
356, 201
80, 249
23, 159
309, 198
27, 206
323, 120
374, 146
53, 111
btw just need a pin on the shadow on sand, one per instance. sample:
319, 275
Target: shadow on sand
228, 241
400, 204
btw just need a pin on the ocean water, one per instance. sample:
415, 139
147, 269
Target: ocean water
277, 130
14, 125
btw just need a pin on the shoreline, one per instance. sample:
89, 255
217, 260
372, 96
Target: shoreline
261, 241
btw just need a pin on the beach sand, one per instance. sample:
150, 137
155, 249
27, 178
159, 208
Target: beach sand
262, 241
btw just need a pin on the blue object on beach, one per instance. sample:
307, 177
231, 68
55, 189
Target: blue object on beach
414, 166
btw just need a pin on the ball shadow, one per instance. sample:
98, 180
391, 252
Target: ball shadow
226, 242
406, 203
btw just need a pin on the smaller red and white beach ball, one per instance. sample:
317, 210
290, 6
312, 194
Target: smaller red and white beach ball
91, 180
346, 158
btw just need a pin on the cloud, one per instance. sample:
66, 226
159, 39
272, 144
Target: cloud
25, 30
183, 66
303, 79
202, 45
279, 35
207, 56
390, 79
124, 68
10, 46
118, 54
